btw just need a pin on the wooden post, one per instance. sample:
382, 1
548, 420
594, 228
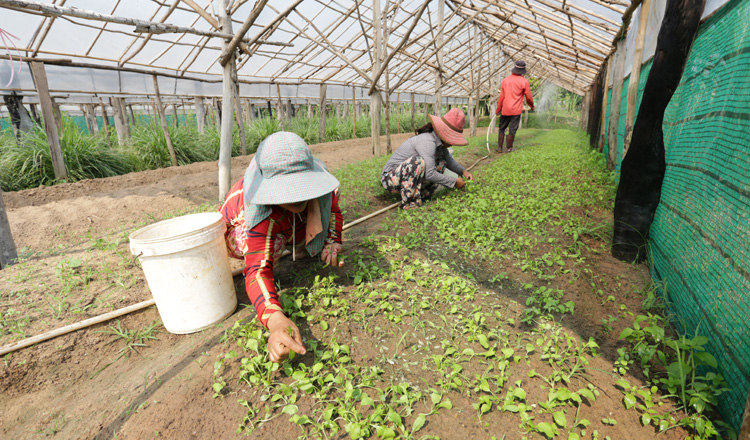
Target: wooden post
200, 115
184, 112
240, 119
252, 111
413, 110
50, 126
614, 111
85, 113
289, 112
120, 120
635, 74
474, 78
354, 112
132, 116
607, 65
8, 253
375, 96
322, 114
123, 112
174, 116
216, 112
91, 116
155, 117
426, 111
338, 110
163, 119
309, 110
225, 150
437, 107
279, 107
58, 115
105, 119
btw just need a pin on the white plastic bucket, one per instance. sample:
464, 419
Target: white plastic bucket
187, 269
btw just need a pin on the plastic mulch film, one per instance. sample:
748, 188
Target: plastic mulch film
700, 237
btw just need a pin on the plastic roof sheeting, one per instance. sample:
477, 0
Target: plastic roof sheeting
322, 41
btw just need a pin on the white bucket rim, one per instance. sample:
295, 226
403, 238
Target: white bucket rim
145, 247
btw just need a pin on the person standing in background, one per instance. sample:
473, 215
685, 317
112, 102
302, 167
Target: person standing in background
510, 104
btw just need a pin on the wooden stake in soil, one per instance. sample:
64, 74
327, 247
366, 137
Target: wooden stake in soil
163, 119
105, 119
200, 115
8, 253
322, 114
50, 125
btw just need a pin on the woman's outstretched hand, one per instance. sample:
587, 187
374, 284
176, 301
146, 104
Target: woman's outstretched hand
285, 337
330, 254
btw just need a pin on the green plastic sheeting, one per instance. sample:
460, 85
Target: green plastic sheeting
700, 237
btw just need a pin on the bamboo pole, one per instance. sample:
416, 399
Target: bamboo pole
163, 119
200, 115
437, 105
105, 119
8, 252
322, 114
602, 126
120, 120
635, 74
412, 111
240, 119
141, 26
227, 108
176, 117
50, 125
354, 113
375, 96
76, 326
228, 50
614, 112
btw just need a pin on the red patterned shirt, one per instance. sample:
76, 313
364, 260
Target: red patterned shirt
263, 245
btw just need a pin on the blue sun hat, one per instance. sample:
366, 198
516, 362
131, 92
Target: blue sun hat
285, 171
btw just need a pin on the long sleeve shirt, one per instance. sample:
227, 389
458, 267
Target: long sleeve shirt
512, 91
263, 245
429, 147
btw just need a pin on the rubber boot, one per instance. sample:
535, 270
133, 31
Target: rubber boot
510, 142
500, 139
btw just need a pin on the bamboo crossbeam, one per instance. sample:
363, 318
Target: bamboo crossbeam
249, 21
141, 26
398, 48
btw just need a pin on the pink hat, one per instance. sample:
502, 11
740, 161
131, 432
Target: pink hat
450, 127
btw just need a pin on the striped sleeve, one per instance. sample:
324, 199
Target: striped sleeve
259, 260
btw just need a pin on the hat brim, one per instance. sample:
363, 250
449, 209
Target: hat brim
446, 133
293, 187
518, 71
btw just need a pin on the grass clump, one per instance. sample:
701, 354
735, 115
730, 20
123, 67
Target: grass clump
27, 163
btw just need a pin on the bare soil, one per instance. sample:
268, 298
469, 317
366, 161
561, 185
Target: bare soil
89, 385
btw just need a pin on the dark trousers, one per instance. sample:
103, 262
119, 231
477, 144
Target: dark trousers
509, 122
